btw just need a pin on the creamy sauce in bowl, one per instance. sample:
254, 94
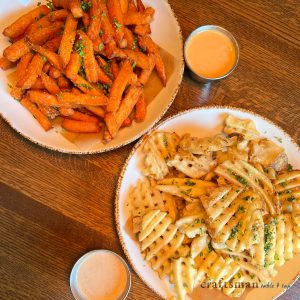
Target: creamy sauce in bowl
100, 275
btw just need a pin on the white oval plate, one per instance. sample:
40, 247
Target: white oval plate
201, 122
165, 32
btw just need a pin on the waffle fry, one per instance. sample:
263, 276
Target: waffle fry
233, 227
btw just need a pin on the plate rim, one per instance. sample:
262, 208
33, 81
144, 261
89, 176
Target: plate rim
138, 144
139, 134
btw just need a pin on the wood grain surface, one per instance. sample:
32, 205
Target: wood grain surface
55, 207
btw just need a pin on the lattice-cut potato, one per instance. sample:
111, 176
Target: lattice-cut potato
192, 225
198, 244
145, 197
243, 174
232, 154
206, 145
268, 154
183, 275
189, 189
246, 128
191, 165
158, 148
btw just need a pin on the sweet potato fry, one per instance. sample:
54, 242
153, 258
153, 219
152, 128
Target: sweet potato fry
38, 85
52, 57
16, 50
98, 45
130, 38
82, 99
131, 6
119, 86
140, 5
111, 50
124, 6
58, 15
73, 5
38, 115
53, 44
106, 27
6, 64
95, 20
19, 26
89, 61
33, 71
41, 35
83, 117
106, 135
138, 58
116, 18
41, 23
115, 120
145, 73
114, 68
86, 19
142, 30
140, 109
139, 18
80, 126
43, 98
147, 44
54, 73
126, 123
73, 66
66, 112
67, 40
96, 110
46, 67
17, 93
63, 82
49, 111
102, 77
50, 84
85, 86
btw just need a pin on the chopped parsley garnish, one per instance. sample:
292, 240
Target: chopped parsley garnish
238, 275
88, 87
39, 17
93, 17
290, 168
187, 192
104, 14
50, 5
79, 48
278, 139
165, 140
255, 237
233, 232
44, 59
100, 46
241, 209
117, 25
135, 39
101, 32
133, 64
276, 257
190, 183
86, 5
283, 183
241, 179
291, 199
268, 237
210, 247
107, 70
10, 86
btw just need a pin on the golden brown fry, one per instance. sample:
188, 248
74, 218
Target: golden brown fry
66, 111
41, 23
68, 39
73, 66
89, 61
54, 73
53, 44
86, 19
126, 123
38, 85
40, 97
124, 6
19, 26
83, 117
33, 71
116, 18
102, 77
82, 99
150, 47
142, 29
16, 50
6, 64
73, 5
145, 74
38, 115
138, 58
114, 68
115, 120
17, 93
46, 67
130, 38
80, 126
131, 6
95, 20
98, 45
96, 110
140, 5
85, 86
106, 27
140, 109
58, 15
119, 86
50, 84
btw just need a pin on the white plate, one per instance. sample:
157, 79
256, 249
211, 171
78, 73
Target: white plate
165, 32
201, 122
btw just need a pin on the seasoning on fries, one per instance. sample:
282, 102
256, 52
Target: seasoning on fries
85, 62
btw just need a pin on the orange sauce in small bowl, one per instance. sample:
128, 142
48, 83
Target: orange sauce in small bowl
210, 54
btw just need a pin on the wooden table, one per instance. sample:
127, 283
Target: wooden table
55, 207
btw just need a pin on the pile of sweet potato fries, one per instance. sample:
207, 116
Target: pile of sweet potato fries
85, 61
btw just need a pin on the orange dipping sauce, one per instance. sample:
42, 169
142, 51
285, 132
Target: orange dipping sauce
210, 54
